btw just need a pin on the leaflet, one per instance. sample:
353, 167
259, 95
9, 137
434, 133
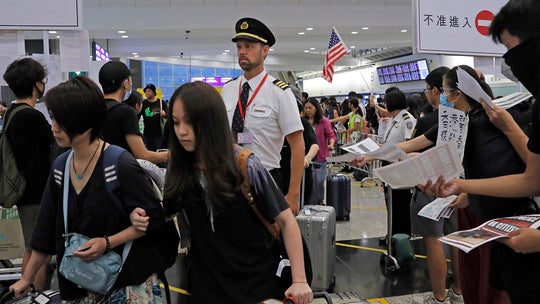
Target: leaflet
388, 152
340, 127
438, 208
467, 240
468, 85
438, 161
511, 100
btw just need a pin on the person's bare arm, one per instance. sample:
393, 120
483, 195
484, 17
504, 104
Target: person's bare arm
312, 153
137, 147
415, 144
293, 243
296, 142
515, 185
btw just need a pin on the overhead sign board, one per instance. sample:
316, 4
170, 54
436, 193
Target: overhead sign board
40, 15
458, 27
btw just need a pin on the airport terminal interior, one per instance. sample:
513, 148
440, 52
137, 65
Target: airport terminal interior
171, 42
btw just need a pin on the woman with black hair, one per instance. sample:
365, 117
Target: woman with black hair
78, 112
325, 139
354, 120
232, 255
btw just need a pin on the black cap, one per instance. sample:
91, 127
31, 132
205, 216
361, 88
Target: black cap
151, 87
253, 29
112, 74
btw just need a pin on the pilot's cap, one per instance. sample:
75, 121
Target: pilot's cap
253, 29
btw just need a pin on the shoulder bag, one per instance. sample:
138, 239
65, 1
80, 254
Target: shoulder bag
98, 275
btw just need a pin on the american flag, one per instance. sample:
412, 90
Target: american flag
336, 50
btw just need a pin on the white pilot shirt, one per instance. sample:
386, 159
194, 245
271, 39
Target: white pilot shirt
271, 116
400, 128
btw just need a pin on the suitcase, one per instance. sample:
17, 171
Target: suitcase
338, 195
318, 226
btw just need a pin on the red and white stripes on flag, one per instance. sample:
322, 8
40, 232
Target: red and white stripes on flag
336, 50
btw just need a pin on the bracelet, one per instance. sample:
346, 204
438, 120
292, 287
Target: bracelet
107, 244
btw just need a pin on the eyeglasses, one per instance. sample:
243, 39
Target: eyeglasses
448, 91
428, 90
44, 81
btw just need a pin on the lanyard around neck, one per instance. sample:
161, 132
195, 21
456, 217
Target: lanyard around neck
240, 107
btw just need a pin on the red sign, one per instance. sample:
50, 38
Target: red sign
482, 22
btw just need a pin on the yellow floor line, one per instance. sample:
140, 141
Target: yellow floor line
378, 301
420, 256
176, 289
369, 208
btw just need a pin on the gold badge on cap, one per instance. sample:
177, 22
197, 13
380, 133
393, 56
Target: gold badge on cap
244, 25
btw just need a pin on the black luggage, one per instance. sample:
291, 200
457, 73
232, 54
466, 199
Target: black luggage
338, 195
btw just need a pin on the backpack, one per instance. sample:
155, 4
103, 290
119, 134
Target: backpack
12, 183
169, 240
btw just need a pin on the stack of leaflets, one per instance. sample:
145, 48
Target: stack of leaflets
438, 208
511, 100
467, 240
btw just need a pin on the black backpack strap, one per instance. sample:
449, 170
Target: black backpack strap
12, 113
163, 278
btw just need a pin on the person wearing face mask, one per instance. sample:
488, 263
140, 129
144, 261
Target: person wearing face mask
488, 152
31, 139
516, 27
121, 125
431, 230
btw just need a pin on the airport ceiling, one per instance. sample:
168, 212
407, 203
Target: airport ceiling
202, 29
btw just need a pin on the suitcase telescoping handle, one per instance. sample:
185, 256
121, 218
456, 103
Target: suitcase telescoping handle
318, 294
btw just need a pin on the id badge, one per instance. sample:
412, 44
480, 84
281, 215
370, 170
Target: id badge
245, 138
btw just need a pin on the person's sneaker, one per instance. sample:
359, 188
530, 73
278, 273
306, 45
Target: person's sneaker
454, 297
428, 299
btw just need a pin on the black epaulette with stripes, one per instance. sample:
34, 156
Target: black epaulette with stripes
280, 83
406, 116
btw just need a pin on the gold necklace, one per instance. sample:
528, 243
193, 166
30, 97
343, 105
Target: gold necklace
80, 176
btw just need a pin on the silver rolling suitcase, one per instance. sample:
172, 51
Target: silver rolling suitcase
318, 226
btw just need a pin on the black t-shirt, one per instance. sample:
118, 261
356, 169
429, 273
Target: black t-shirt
233, 257
489, 153
93, 213
120, 121
285, 163
425, 123
31, 139
152, 117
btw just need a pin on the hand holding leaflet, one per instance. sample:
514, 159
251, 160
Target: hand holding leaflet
340, 127
438, 208
467, 240
468, 85
438, 161
388, 152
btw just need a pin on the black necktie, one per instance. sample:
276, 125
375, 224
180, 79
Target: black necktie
238, 121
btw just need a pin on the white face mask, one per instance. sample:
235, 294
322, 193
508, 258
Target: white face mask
126, 95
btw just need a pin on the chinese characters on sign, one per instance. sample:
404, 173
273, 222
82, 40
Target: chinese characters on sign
446, 21
453, 126
459, 27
